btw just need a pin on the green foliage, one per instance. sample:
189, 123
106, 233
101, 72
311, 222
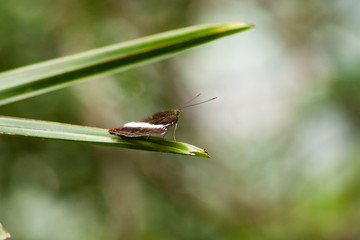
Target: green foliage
51, 75
67, 132
55, 74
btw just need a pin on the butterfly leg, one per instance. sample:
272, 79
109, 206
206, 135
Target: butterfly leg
148, 136
174, 132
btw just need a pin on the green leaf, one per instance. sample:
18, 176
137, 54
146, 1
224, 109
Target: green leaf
68, 132
55, 74
3, 233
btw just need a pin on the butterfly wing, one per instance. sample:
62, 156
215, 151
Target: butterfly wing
156, 124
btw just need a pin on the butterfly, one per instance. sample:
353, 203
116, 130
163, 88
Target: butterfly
158, 123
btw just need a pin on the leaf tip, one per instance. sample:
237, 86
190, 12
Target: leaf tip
3, 233
241, 25
200, 153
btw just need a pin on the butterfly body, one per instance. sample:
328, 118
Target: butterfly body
157, 124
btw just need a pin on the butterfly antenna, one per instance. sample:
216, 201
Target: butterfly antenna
191, 100
199, 102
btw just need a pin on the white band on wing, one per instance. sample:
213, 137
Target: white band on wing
143, 125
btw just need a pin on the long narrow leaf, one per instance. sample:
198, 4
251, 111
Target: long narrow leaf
68, 132
54, 74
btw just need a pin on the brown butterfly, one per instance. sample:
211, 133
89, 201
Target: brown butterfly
157, 124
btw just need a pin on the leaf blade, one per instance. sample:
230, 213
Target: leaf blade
98, 136
55, 74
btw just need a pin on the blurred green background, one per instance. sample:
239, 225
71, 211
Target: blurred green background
283, 134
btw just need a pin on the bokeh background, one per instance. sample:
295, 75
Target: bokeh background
283, 135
